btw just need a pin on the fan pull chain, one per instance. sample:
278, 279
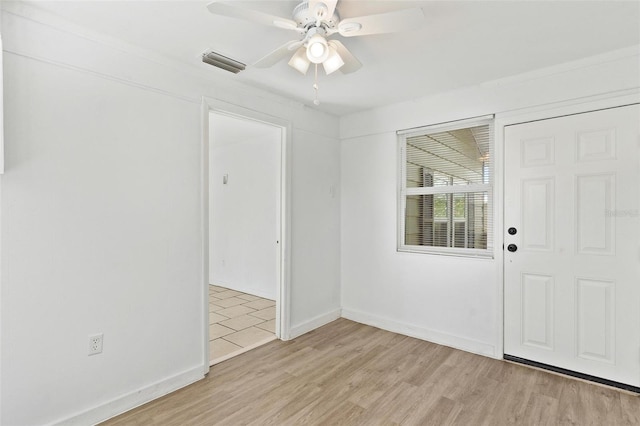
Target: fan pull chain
315, 87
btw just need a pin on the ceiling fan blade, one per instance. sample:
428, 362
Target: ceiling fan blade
351, 64
331, 6
230, 10
279, 54
391, 22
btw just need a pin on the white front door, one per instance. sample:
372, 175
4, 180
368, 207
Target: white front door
572, 277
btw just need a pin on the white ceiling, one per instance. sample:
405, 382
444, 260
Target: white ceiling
462, 43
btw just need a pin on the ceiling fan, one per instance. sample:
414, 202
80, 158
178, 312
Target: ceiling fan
316, 21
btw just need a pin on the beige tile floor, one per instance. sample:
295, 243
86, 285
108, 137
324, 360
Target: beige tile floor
238, 322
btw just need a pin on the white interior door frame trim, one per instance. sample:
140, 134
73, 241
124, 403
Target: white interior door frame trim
508, 118
282, 313
204, 228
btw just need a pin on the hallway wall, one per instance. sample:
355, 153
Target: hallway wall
245, 212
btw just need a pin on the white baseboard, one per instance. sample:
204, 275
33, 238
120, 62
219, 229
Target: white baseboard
134, 399
457, 342
313, 323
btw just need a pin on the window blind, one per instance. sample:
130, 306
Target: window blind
446, 189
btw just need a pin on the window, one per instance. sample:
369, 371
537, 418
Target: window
445, 186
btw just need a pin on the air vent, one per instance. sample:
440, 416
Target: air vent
221, 61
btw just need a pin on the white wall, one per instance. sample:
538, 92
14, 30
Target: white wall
100, 234
245, 213
101, 220
1, 107
316, 253
451, 300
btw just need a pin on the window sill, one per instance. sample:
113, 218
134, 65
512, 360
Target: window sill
445, 251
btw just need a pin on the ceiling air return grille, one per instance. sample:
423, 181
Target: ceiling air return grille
221, 61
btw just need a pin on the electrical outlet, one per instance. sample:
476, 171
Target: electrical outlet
95, 344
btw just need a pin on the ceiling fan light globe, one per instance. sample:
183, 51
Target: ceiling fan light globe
299, 61
317, 49
334, 62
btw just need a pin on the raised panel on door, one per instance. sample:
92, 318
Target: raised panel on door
572, 287
595, 225
538, 207
537, 152
594, 145
537, 310
595, 319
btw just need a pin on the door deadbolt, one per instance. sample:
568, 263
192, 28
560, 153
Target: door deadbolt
512, 231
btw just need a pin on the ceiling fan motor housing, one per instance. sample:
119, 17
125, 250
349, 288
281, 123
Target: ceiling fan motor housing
306, 18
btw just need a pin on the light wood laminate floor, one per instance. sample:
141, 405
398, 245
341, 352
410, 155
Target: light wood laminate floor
347, 373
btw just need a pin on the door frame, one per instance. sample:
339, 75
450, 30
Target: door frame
526, 115
282, 329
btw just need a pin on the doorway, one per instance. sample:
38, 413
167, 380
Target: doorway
245, 236
571, 294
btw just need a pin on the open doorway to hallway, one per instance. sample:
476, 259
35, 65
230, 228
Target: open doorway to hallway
238, 322
245, 204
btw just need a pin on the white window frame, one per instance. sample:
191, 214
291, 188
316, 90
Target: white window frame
403, 191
